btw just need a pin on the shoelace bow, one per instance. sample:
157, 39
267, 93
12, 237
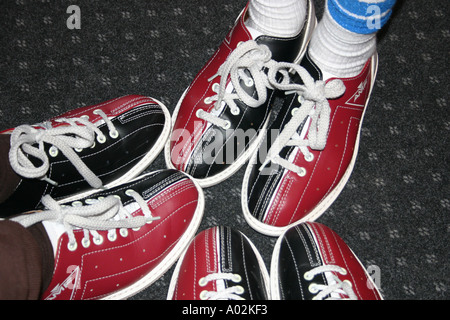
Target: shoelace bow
77, 135
231, 293
315, 95
338, 286
246, 62
102, 214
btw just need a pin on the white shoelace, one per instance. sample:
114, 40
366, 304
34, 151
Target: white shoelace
335, 287
315, 107
231, 293
78, 134
102, 214
247, 62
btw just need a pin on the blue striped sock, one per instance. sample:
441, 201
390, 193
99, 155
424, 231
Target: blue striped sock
361, 16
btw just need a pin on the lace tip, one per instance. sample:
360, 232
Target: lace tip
151, 219
50, 181
264, 164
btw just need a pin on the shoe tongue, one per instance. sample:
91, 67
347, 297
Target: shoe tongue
254, 33
311, 67
314, 70
283, 49
54, 231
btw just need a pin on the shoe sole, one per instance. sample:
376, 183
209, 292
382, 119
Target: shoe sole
235, 166
326, 202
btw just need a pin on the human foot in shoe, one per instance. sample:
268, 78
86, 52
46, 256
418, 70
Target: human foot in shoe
221, 116
309, 151
115, 243
84, 150
303, 268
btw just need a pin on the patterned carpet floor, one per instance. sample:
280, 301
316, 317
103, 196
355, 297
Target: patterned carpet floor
394, 211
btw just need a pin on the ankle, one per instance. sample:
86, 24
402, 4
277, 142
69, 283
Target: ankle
339, 52
278, 18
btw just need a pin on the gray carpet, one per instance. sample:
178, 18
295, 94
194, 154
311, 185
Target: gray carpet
394, 211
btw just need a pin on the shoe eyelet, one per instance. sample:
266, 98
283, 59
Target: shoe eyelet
308, 276
98, 240
240, 290
112, 236
309, 157
301, 172
202, 282
208, 100
53, 151
77, 204
130, 192
90, 201
199, 113
204, 295
227, 125
101, 139
237, 278
72, 246
85, 243
313, 288
343, 271
123, 232
114, 134
78, 149
249, 82
348, 282
294, 111
235, 111
215, 87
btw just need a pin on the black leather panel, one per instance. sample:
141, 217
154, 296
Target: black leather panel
238, 257
298, 254
149, 185
262, 184
218, 148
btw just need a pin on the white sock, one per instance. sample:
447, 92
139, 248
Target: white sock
278, 18
339, 52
